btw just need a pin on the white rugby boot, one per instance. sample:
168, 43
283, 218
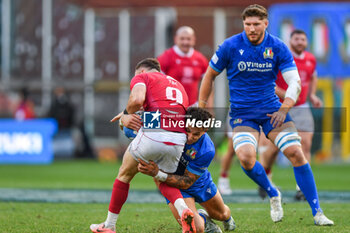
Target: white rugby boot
276, 208
210, 225
101, 228
230, 225
321, 219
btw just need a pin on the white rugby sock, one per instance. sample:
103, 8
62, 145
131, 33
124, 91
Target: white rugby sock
180, 205
111, 219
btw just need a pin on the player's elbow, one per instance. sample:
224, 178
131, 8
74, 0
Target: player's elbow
137, 101
299, 86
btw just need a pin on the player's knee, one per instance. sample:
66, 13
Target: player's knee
247, 157
295, 155
248, 164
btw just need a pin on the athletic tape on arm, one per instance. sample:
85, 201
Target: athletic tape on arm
293, 80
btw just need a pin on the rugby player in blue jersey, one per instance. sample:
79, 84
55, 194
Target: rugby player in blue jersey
194, 180
252, 60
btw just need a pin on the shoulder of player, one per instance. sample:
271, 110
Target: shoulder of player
234, 40
208, 144
274, 41
198, 55
166, 55
309, 56
139, 76
148, 76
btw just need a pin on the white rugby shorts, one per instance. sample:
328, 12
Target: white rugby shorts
147, 148
302, 117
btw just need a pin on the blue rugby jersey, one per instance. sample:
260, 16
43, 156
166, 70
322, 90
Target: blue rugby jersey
197, 158
251, 72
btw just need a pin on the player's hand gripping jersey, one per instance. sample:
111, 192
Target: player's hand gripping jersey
251, 72
165, 94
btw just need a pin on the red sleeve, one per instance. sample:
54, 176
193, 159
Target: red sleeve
141, 78
314, 61
280, 81
164, 59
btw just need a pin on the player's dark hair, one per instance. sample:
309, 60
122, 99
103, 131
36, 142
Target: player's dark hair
255, 10
297, 31
199, 114
150, 63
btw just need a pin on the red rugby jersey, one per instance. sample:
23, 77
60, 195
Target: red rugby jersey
165, 94
306, 65
188, 69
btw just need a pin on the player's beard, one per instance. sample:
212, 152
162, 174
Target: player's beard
298, 49
258, 37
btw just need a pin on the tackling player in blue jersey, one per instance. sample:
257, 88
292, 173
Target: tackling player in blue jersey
194, 180
252, 60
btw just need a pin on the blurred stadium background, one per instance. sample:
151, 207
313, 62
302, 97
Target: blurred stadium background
90, 48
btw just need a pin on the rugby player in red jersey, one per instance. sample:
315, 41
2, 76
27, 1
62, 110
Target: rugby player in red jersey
159, 95
300, 113
184, 63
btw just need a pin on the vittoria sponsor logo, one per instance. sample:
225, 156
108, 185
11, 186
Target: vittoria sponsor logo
254, 66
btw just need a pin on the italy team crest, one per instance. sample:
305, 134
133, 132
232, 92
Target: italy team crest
237, 121
268, 53
192, 153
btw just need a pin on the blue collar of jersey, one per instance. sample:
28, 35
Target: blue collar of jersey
247, 41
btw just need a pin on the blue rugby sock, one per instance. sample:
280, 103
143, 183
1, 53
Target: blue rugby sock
306, 182
228, 219
259, 176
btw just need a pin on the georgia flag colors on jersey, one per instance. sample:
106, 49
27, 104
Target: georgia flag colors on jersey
306, 64
165, 94
188, 69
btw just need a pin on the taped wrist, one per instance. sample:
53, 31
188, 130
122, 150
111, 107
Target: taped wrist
161, 176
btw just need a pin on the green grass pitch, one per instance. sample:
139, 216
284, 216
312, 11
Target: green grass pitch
155, 217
